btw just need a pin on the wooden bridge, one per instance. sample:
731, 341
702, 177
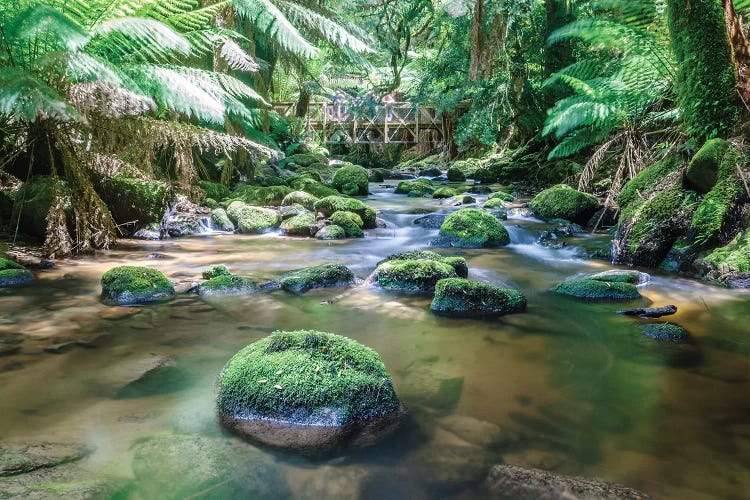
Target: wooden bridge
370, 123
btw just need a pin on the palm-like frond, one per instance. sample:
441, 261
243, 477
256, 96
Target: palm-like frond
26, 98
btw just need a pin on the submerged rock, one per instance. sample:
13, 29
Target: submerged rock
12, 274
460, 297
412, 275
323, 276
564, 202
331, 232
309, 391
125, 285
517, 483
664, 331
472, 228
597, 290
20, 458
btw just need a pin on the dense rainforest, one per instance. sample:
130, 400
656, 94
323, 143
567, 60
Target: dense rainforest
472, 187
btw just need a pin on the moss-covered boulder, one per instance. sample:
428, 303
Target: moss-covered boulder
417, 187
493, 203
729, 264
412, 275
647, 180
464, 298
305, 159
484, 176
299, 225
564, 202
322, 276
300, 198
455, 174
257, 220
621, 276
220, 220
331, 232
214, 190
31, 204
140, 201
472, 228
12, 273
135, 285
457, 263
352, 180
350, 222
213, 272
309, 391
703, 170
445, 192
664, 331
501, 195
260, 195
597, 290
332, 204
227, 284
313, 186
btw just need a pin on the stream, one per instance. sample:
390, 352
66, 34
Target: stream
567, 386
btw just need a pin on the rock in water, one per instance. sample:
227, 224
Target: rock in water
597, 290
664, 331
227, 284
20, 458
457, 263
351, 179
564, 202
464, 298
650, 312
332, 204
331, 233
12, 274
412, 275
323, 276
517, 483
307, 391
125, 285
472, 228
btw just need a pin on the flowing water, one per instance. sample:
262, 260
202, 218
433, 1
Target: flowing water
567, 386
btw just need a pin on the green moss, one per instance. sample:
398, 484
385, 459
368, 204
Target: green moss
648, 179
350, 222
473, 228
300, 197
597, 290
420, 187
413, 275
493, 203
484, 176
134, 285
501, 195
460, 297
457, 263
332, 204
214, 190
733, 258
256, 220
455, 174
261, 196
138, 200
32, 202
234, 209
564, 202
652, 230
220, 220
468, 165
331, 232
703, 170
664, 331
306, 159
227, 284
220, 270
14, 277
306, 377
351, 180
299, 225
445, 192
313, 187
325, 275
618, 276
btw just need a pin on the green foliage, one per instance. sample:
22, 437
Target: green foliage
306, 375
473, 228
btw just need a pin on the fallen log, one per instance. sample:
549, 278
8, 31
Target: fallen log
650, 312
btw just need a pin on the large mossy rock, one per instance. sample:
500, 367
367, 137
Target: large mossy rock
703, 170
313, 187
300, 198
415, 188
299, 225
445, 192
473, 228
307, 390
322, 276
214, 190
224, 284
350, 222
464, 298
31, 204
331, 232
351, 180
592, 289
729, 264
455, 174
253, 220
12, 273
564, 202
140, 201
412, 275
220, 220
457, 263
134, 285
332, 204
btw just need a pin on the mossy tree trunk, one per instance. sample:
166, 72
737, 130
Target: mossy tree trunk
740, 49
706, 77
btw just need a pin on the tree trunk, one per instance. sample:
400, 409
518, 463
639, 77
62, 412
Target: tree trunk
706, 74
478, 40
740, 49
559, 55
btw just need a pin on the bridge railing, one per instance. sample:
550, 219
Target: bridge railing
369, 123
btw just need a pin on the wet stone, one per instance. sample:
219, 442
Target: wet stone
20, 458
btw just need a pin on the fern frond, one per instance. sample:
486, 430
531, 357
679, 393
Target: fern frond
274, 24
324, 26
45, 22
25, 98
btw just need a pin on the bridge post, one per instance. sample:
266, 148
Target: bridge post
325, 122
386, 138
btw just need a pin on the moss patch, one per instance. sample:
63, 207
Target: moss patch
12, 273
597, 290
501, 195
350, 222
214, 190
313, 187
413, 275
306, 377
139, 200
261, 196
351, 180
460, 297
473, 228
133, 285
647, 180
564, 202
219, 270
417, 187
227, 284
664, 331
331, 232
332, 204
220, 220
457, 263
300, 198
323, 276
455, 174
299, 225
256, 220
445, 192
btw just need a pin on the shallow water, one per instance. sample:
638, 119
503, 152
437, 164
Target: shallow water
567, 386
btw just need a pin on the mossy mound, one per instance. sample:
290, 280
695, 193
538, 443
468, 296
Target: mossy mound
501, 195
214, 190
135, 285
703, 170
260, 195
220, 220
12, 273
256, 220
462, 298
213, 272
299, 225
445, 192
473, 228
729, 264
227, 284
647, 179
32, 201
300, 198
564, 202
351, 180
139, 200
597, 290
331, 232
305, 159
664, 331
332, 204
493, 203
455, 174
323, 276
305, 389
417, 187
621, 276
412, 275
313, 187
457, 263
484, 176
350, 222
